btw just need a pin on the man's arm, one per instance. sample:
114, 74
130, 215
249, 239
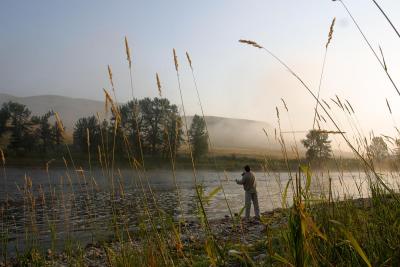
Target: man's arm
241, 181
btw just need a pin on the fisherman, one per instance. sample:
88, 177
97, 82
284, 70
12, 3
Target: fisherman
249, 185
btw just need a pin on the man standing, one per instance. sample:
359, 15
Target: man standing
249, 185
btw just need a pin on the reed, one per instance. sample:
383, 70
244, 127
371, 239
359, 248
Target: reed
370, 47
386, 17
212, 248
330, 36
323, 225
210, 144
356, 152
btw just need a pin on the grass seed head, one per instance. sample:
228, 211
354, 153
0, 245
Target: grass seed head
128, 52
189, 60
114, 108
175, 59
387, 103
334, 101
347, 109
340, 103
352, 110
326, 104
330, 35
110, 76
59, 122
249, 42
158, 84
284, 103
108, 100
383, 59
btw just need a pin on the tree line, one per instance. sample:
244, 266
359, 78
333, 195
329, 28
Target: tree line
145, 127
148, 127
319, 147
22, 133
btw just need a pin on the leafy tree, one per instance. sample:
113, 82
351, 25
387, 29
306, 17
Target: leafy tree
151, 120
58, 135
82, 128
20, 132
157, 119
15, 118
318, 146
172, 132
378, 149
198, 137
4, 118
44, 131
153, 112
132, 124
4, 123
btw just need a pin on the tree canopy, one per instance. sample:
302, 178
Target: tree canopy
378, 149
198, 137
151, 126
318, 146
21, 133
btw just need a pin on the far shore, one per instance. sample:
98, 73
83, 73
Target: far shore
183, 162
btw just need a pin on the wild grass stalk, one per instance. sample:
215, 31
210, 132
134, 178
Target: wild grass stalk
321, 231
164, 252
295, 148
211, 148
384, 67
284, 150
330, 35
367, 164
103, 150
172, 155
266, 167
211, 245
387, 18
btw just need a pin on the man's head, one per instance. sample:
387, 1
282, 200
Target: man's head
247, 168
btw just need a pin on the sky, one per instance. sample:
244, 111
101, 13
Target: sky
63, 48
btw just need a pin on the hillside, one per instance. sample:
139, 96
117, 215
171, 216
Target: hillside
69, 109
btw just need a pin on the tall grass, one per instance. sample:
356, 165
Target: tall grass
324, 225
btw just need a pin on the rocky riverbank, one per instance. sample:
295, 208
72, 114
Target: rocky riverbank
226, 231
250, 240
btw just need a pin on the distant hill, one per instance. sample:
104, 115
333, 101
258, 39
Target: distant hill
229, 135
241, 134
69, 109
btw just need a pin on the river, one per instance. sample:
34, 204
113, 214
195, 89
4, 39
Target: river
63, 203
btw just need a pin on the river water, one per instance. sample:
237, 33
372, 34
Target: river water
80, 205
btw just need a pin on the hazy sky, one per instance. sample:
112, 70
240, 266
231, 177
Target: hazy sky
63, 47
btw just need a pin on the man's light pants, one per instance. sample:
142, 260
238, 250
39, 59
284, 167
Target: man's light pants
249, 197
